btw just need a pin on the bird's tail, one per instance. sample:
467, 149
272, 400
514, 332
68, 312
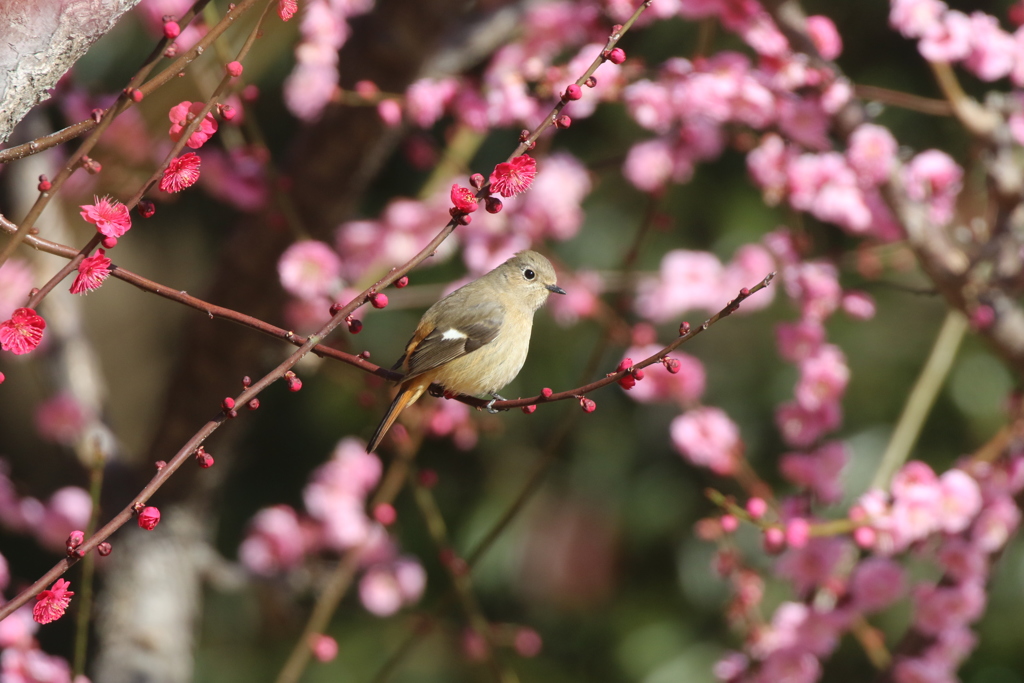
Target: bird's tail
407, 395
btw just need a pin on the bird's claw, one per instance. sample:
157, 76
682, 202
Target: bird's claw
490, 404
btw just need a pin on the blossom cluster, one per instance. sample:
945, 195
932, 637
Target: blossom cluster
280, 539
956, 522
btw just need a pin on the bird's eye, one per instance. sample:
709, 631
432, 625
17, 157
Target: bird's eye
529, 274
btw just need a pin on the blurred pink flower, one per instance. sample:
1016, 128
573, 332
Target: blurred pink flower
948, 40
16, 281
819, 471
824, 35
275, 541
997, 521
799, 340
582, 299
940, 608
60, 419
823, 377
915, 18
18, 630
993, 51
815, 286
687, 280
801, 427
876, 583
684, 387
872, 153
385, 588
426, 99
708, 438
812, 565
961, 500
309, 269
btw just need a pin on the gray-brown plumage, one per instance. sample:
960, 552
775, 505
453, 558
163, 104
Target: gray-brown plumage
475, 340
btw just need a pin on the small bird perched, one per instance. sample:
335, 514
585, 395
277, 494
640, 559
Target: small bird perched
474, 341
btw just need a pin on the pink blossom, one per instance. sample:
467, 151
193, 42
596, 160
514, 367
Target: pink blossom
841, 201
825, 37
993, 50
452, 418
286, 9
939, 608
961, 500
962, 560
836, 96
804, 121
858, 305
61, 419
52, 603
915, 18
872, 153
813, 564
183, 114
767, 164
998, 521
384, 589
237, 177
922, 670
108, 215
815, 286
309, 269
18, 630
513, 177
795, 626
551, 209
952, 647
731, 666
182, 172
581, 302
22, 332
32, 665
707, 438
801, 427
650, 105
324, 648
799, 340
793, 665
818, 471
275, 541
16, 280
685, 387
823, 377
876, 583
92, 271
336, 494
687, 280
463, 199
426, 99
650, 165
948, 40
310, 87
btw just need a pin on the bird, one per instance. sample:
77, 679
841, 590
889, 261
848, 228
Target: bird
475, 340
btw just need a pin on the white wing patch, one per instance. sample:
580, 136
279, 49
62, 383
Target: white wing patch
452, 334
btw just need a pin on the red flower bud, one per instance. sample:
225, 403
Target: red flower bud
171, 30
149, 518
379, 300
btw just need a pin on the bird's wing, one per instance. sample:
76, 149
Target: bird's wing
472, 327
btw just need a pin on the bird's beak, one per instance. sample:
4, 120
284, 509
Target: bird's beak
555, 288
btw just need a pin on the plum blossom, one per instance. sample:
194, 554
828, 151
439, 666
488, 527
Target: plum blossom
92, 271
108, 215
687, 280
52, 603
818, 471
22, 332
823, 377
948, 40
275, 541
872, 152
876, 583
707, 438
183, 114
309, 269
386, 588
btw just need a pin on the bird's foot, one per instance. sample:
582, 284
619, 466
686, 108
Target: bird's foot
490, 404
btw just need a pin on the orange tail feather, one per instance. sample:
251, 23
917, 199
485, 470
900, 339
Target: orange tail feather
407, 395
